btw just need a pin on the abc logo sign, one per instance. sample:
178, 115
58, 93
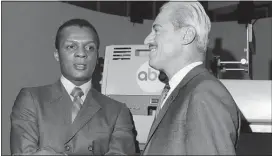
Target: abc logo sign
147, 79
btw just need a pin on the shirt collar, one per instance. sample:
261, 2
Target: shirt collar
177, 78
69, 86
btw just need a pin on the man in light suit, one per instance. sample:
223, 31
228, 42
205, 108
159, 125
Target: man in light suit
196, 113
69, 116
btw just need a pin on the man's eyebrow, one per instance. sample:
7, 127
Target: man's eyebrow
88, 41
156, 25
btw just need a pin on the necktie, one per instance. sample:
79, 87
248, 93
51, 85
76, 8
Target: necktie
163, 96
77, 93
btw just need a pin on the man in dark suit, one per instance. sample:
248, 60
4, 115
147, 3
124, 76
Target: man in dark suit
196, 113
69, 116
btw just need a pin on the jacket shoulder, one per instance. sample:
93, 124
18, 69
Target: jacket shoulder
106, 101
39, 93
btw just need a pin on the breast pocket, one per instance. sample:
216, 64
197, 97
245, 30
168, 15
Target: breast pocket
177, 125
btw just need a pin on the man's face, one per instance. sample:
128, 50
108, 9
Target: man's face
77, 54
163, 41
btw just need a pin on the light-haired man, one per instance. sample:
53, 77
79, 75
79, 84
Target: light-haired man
196, 114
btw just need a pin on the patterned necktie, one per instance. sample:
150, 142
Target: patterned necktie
77, 93
163, 96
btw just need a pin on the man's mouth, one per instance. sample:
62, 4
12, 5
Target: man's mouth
152, 48
80, 66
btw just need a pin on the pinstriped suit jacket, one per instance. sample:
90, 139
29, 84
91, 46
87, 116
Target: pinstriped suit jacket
199, 117
41, 118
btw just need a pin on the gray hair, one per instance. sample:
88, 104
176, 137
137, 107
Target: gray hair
190, 14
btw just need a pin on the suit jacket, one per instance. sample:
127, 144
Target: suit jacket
199, 117
41, 118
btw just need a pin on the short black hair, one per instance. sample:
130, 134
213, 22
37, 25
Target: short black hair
76, 22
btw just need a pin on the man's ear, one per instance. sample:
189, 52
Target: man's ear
56, 55
188, 34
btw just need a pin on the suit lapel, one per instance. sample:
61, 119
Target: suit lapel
194, 72
88, 110
61, 102
162, 112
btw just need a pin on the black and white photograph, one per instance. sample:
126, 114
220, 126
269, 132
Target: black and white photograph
136, 77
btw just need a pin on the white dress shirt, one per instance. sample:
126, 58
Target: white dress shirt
177, 78
69, 86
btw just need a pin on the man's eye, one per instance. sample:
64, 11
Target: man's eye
71, 47
156, 30
90, 48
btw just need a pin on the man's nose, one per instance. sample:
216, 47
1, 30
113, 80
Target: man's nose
81, 53
148, 39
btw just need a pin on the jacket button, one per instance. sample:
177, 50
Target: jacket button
67, 147
90, 148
